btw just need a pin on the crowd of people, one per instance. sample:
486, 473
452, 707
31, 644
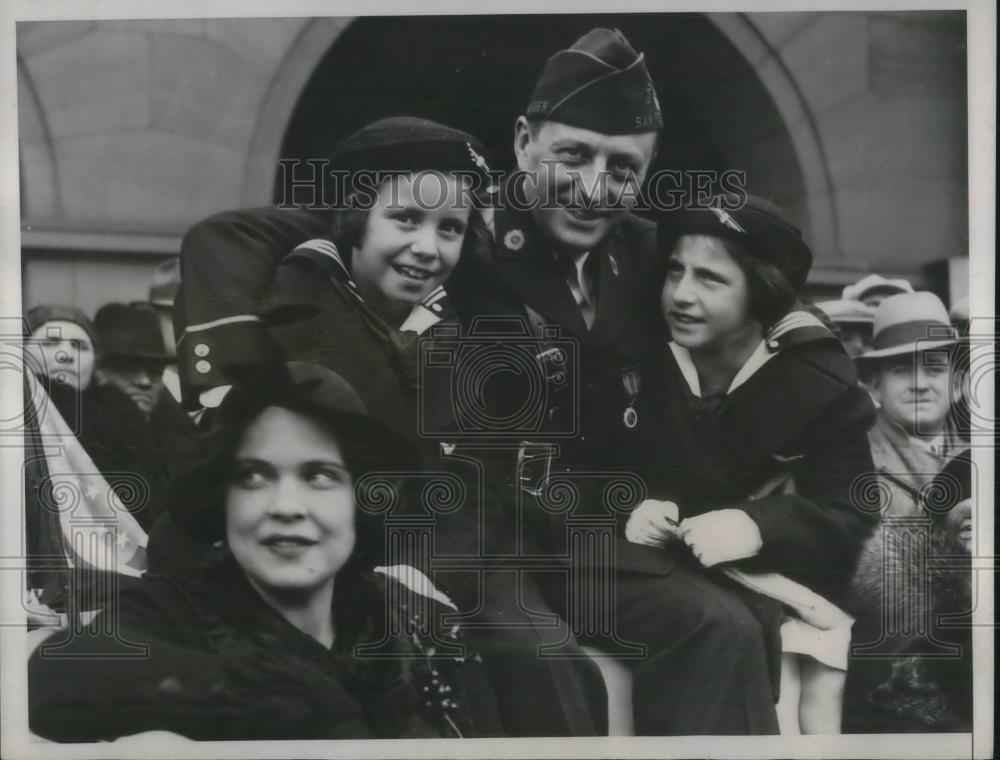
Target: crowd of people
316, 353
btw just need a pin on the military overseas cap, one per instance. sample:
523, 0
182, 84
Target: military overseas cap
764, 230
408, 144
601, 84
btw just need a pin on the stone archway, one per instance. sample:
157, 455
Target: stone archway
788, 98
468, 71
303, 56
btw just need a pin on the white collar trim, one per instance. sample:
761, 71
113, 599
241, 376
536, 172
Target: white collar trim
760, 356
420, 320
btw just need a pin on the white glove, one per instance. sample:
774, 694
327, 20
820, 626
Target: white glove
724, 535
653, 522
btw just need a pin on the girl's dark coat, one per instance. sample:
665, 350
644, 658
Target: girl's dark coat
801, 414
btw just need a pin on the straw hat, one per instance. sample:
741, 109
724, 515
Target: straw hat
910, 322
845, 312
873, 283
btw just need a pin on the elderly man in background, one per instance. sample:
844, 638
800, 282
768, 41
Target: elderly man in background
910, 374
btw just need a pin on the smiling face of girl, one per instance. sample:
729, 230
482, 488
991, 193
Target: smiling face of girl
412, 238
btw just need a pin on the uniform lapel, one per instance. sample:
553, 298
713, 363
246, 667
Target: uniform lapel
617, 290
525, 262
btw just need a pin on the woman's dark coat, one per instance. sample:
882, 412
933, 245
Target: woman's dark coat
219, 663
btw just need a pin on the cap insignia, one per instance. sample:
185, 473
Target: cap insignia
725, 218
481, 164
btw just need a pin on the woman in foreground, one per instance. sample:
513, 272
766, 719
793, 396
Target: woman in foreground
264, 643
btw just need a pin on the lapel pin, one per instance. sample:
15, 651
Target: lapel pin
514, 240
614, 264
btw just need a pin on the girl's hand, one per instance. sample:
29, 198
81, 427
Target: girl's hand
653, 522
723, 535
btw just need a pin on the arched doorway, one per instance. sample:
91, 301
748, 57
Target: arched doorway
477, 73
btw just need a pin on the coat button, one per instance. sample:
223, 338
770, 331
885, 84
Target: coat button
170, 685
203, 367
773, 345
202, 349
436, 306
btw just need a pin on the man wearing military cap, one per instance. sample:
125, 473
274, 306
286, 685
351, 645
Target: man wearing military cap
567, 256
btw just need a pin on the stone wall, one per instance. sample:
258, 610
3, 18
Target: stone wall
133, 130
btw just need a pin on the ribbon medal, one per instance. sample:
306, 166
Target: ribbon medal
630, 381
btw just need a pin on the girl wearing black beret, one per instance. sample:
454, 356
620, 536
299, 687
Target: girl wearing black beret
757, 435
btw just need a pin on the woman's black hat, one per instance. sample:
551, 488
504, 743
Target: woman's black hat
39, 315
197, 495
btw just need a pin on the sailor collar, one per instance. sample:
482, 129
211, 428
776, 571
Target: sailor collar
785, 333
421, 318
760, 356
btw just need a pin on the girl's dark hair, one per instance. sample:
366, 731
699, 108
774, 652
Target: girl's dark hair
772, 296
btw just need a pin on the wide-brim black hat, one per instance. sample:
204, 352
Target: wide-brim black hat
409, 144
763, 229
131, 330
196, 499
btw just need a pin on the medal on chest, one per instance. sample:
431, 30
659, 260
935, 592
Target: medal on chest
631, 383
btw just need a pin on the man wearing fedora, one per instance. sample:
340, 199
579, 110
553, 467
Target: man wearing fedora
910, 375
141, 431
